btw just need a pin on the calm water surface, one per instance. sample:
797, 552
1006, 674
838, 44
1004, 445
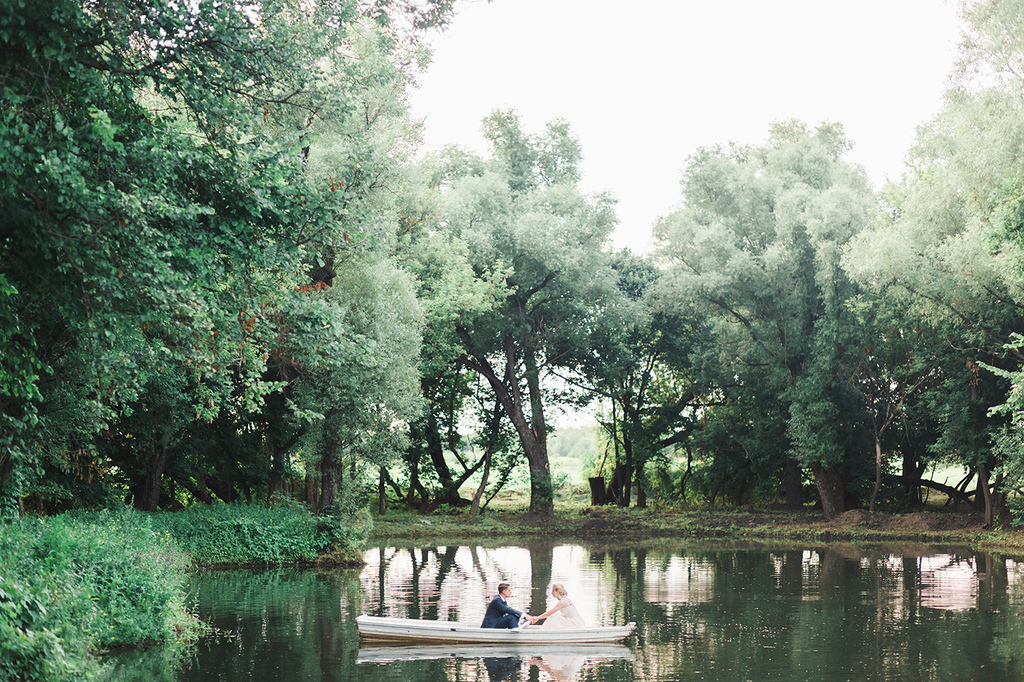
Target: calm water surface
702, 612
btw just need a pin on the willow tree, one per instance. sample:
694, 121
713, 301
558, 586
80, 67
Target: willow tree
950, 250
637, 361
757, 244
536, 241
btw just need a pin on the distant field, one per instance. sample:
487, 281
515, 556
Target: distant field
948, 475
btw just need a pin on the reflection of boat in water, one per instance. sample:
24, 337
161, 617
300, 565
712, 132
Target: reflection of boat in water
387, 653
408, 630
559, 661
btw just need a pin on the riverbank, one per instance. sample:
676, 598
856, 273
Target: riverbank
76, 585
71, 588
240, 535
932, 526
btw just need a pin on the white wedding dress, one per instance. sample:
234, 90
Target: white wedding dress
566, 617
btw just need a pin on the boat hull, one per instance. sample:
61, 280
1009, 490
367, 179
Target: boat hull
377, 628
388, 652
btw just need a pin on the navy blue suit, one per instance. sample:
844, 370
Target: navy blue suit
500, 615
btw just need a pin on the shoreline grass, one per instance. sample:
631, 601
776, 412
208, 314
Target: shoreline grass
255, 535
77, 585
931, 526
72, 588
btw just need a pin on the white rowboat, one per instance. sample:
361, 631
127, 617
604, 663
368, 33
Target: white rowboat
405, 630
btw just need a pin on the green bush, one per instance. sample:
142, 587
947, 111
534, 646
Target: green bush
80, 583
74, 585
30, 649
254, 534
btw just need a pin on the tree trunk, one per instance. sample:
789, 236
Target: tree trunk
532, 432
277, 469
542, 501
597, 491
312, 489
616, 492
382, 494
641, 491
792, 479
155, 470
330, 482
986, 493
494, 427
999, 508
154, 473
878, 474
542, 494
200, 491
689, 467
913, 469
474, 508
831, 490
430, 435
627, 480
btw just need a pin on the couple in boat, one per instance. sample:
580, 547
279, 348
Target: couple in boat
562, 615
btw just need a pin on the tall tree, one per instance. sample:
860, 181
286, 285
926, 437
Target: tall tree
366, 398
158, 216
528, 230
943, 249
448, 290
758, 243
637, 358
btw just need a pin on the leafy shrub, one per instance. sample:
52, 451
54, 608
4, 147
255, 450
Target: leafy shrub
29, 647
73, 585
253, 534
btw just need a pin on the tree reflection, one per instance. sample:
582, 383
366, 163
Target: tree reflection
702, 611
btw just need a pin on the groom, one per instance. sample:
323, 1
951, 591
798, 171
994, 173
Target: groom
499, 614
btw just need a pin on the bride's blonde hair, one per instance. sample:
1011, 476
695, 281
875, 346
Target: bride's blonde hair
559, 590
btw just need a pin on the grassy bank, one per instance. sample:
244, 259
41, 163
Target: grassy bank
72, 587
244, 535
75, 585
931, 526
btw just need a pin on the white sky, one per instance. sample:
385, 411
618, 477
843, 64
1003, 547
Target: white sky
645, 83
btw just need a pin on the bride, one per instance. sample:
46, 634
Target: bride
562, 615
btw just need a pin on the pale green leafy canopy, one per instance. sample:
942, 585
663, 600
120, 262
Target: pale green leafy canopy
757, 245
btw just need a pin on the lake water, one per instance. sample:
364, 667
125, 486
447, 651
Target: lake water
703, 612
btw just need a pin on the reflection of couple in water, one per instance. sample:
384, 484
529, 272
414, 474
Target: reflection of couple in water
560, 668
561, 616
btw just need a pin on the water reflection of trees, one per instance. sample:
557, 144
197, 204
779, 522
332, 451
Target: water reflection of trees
272, 624
821, 613
442, 582
710, 612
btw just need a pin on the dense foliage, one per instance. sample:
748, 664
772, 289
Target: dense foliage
171, 233
758, 245
225, 276
256, 535
231, 291
70, 586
